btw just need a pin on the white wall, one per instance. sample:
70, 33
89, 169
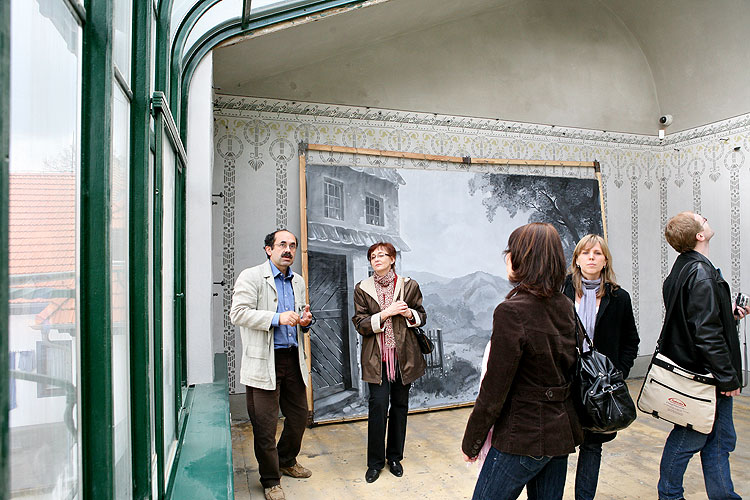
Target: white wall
645, 182
199, 180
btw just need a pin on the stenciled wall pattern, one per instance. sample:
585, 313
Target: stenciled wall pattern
645, 181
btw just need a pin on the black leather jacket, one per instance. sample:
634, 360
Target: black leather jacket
701, 332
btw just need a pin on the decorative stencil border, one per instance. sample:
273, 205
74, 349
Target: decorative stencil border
260, 133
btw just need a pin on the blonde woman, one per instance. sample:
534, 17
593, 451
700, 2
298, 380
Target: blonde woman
607, 316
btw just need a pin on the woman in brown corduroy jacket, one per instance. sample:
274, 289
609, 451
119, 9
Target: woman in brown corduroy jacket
526, 391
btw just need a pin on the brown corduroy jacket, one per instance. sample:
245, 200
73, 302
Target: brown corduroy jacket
366, 320
526, 391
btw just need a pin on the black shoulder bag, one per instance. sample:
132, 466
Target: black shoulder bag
425, 344
604, 403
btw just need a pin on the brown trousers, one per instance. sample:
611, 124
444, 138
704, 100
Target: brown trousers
263, 407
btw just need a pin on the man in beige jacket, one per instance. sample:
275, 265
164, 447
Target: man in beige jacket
269, 306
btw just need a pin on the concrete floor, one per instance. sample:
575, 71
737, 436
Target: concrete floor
433, 467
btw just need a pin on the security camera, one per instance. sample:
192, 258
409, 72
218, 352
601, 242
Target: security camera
665, 120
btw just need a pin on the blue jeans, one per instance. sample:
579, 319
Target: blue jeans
503, 477
587, 470
714, 448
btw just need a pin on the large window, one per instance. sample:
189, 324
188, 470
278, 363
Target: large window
119, 182
43, 250
167, 284
119, 287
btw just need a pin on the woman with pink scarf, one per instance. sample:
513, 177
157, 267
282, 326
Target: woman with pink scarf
387, 307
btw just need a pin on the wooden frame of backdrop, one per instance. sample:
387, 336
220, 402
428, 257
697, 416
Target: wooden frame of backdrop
305, 147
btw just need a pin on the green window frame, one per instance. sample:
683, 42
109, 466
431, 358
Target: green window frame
156, 110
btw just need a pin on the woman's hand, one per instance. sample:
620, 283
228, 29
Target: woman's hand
396, 308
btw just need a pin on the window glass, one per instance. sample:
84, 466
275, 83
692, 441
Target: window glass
168, 387
121, 45
119, 290
222, 11
45, 44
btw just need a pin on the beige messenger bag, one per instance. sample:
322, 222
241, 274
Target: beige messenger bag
678, 395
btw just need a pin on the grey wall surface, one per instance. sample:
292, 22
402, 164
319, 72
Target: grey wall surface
598, 64
644, 182
697, 54
562, 63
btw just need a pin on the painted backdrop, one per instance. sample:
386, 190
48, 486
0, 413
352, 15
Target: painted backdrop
449, 228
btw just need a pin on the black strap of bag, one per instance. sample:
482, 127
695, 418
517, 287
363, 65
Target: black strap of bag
681, 279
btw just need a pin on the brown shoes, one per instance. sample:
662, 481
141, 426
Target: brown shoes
296, 470
274, 493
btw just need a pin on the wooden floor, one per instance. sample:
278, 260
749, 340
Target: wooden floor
434, 469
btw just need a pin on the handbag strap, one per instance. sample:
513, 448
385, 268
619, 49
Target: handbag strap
685, 373
580, 328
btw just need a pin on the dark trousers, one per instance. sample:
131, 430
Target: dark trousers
263, 407
503, 477
378, 417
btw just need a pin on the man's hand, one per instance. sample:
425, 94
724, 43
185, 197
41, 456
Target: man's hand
289, 318
307, 316
741, 312
468, 459
735, 392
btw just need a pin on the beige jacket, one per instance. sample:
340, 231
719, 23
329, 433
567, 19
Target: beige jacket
253, 307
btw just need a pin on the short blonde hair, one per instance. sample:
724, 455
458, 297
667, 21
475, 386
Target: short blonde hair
680, 231
607, 275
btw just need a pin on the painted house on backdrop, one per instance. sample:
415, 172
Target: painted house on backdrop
349, 209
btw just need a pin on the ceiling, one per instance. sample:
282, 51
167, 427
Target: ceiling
601, 64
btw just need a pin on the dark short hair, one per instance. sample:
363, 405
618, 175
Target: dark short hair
388, 247
537, 257
271, 238
680, 231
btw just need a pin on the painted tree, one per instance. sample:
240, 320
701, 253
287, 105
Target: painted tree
571, 205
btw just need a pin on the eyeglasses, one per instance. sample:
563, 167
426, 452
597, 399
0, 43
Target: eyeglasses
378, 256
290, 246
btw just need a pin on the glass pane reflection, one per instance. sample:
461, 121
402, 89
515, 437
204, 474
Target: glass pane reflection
44, 178
119, 290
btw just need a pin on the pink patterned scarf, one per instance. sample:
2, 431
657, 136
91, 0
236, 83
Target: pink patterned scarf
385, 286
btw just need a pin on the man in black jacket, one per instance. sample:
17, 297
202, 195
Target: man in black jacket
700, 335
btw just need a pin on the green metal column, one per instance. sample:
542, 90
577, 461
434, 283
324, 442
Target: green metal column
162, 46
140, 364
4, 159
95, 307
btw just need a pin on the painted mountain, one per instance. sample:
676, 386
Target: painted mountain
461, 308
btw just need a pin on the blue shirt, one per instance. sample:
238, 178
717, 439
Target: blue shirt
283, 335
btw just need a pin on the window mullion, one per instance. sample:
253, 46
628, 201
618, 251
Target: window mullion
96, 409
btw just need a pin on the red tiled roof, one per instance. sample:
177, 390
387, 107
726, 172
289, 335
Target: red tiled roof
42, 240
42, 219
